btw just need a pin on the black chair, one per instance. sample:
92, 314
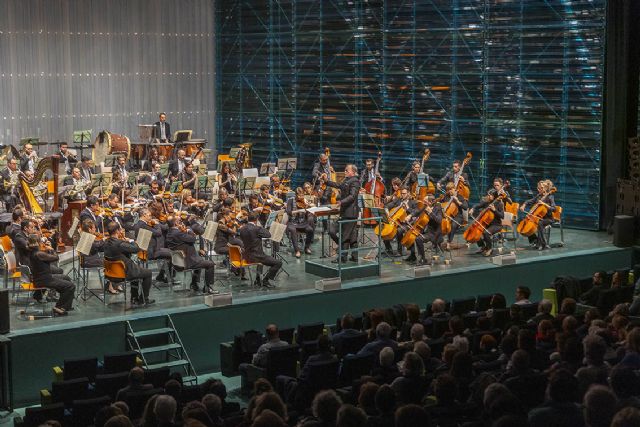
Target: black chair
470, 320
500, 317
437, 328
309, 332
460, 306
119, 362
33, 417
355, 366
109, 384
136, 400
70, 390
80, 368
527, 311
482, 302
323, 375
83, 411
625, 294
437, 347
282, 361
157, 377
607, 300
287, 335
351, 345
308, 348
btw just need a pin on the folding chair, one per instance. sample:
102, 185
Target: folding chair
143, 259
557, 221
179, 263
237, 260
85, 273
116, 272
27, 286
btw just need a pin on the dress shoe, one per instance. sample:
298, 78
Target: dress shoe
267, 284
307, 251
422, 261
410, 258
258, 282
149, 301
335, 261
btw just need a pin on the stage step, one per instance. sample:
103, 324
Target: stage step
159, 346
150, 332
171, 364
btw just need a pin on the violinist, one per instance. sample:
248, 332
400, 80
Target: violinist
431, 233
278, 190
188, 177
154, 190
117, 247
92, 212
227, 179
369, 173
451, 175
155, 176
497, 207
544, 196
181, 238
264, 197
300, 221
153, 158
44, 275
226, 232
157, 248
219, 203
409, 206
451, 196
115, 212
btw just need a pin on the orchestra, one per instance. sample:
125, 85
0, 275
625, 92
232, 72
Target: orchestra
421, 214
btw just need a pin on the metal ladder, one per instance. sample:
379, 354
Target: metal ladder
171, 354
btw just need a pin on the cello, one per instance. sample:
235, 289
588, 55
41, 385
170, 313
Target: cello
388, 230
529, 225
474, 232
421, 192
416, 228
376, 189
450, 210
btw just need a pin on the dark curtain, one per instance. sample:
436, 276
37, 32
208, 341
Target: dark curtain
621, 98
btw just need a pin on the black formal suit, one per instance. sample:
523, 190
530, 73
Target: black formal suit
8, 193
175, 167
26, 164
251, 236
154, 176
12, 229
95, 258
67, 161
46, 275
495, 225
157, 248
20, 241
87, 172
299, 223
87, 213
349, 209
178, 240
224, 237
121, 250
157, 132
451, 177
431, 233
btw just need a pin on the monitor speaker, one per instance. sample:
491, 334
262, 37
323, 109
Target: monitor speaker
623, 231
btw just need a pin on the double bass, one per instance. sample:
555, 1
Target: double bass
474, 232
450, 210
333, 198
376, 189
529, 225
421, 192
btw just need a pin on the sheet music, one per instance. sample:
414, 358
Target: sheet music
367, 200
262, 180
315, 209
143, 239
277, 231
210, 231
74, 227
85, 242
250, 173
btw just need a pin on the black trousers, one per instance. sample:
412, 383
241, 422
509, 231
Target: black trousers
144, 275
486, 241
429, 235
63, 285
162, 253
293, 230
274, 265
349, 236
539, 237
209, 272
398, 239
456, 221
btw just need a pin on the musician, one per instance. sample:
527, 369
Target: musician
122, 168
29, 159
77, 185
431, 233
20, 240
220, 202
412, 177
181, 238
44, 275
177, 165
161, 129
154, 190
124, 219
300, 221
409, 206
39, 190
152, 159
451, 175
86, 168
155, 175
118, 183
499, 187
396, 193
188, 177
496, 205
544, 187
91, 211
264, 197
320, 167
349, 209
451, 196
227, 179
369, 173
66, 157
252, 235
17, 215
9, 175
157, 248
277, 189
119, 248
95, 259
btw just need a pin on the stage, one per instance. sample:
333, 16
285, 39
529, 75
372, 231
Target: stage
95, 329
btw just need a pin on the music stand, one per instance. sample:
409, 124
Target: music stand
80, 137
132, 178
246, 184
423, 179
267, 168
182, 136
175, 187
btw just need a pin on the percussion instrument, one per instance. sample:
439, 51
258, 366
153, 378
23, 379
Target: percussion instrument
107, 143
165, 149
139, 150
194, 148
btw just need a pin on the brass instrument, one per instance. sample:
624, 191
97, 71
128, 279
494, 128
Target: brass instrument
79, 187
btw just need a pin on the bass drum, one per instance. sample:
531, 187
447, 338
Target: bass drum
107, 143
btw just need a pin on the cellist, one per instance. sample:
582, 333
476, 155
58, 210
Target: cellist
431, 233
544, 195
497, 207
451, 196
409, 206
450, 176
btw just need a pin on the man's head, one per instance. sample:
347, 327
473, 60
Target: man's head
545, 306
29, 175
404, 193
145, 214
12, 164
369, 163
113, 228
415, 167
121, 161
253, 217
181, 154
75, 173
323, 159
522, 293
28, 149
162, 117
386, 357
64, 147
272, 332
28, 226
383, 330
112, 200
136, 375
438, 306
350, 170
456, 166
154, 187
498, 184
88, 226
347, 321
165, 408
86, 161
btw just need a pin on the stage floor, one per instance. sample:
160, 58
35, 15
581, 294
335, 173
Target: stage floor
297, 282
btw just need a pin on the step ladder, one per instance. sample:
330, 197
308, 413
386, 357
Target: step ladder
161, 347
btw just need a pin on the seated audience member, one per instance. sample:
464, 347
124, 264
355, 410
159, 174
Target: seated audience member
383, 339
412, 312
165, 410
522, 295
431, 364
438, 311
367, 398
213, 404
411, 416
546, 337
599, 406
273, 341
348, 330
324, 354
136, 384
598, 284
416, 335
411, 386
561, 409
388, 369
544, 313
325, 407
350, 416
632, 347
385, 401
